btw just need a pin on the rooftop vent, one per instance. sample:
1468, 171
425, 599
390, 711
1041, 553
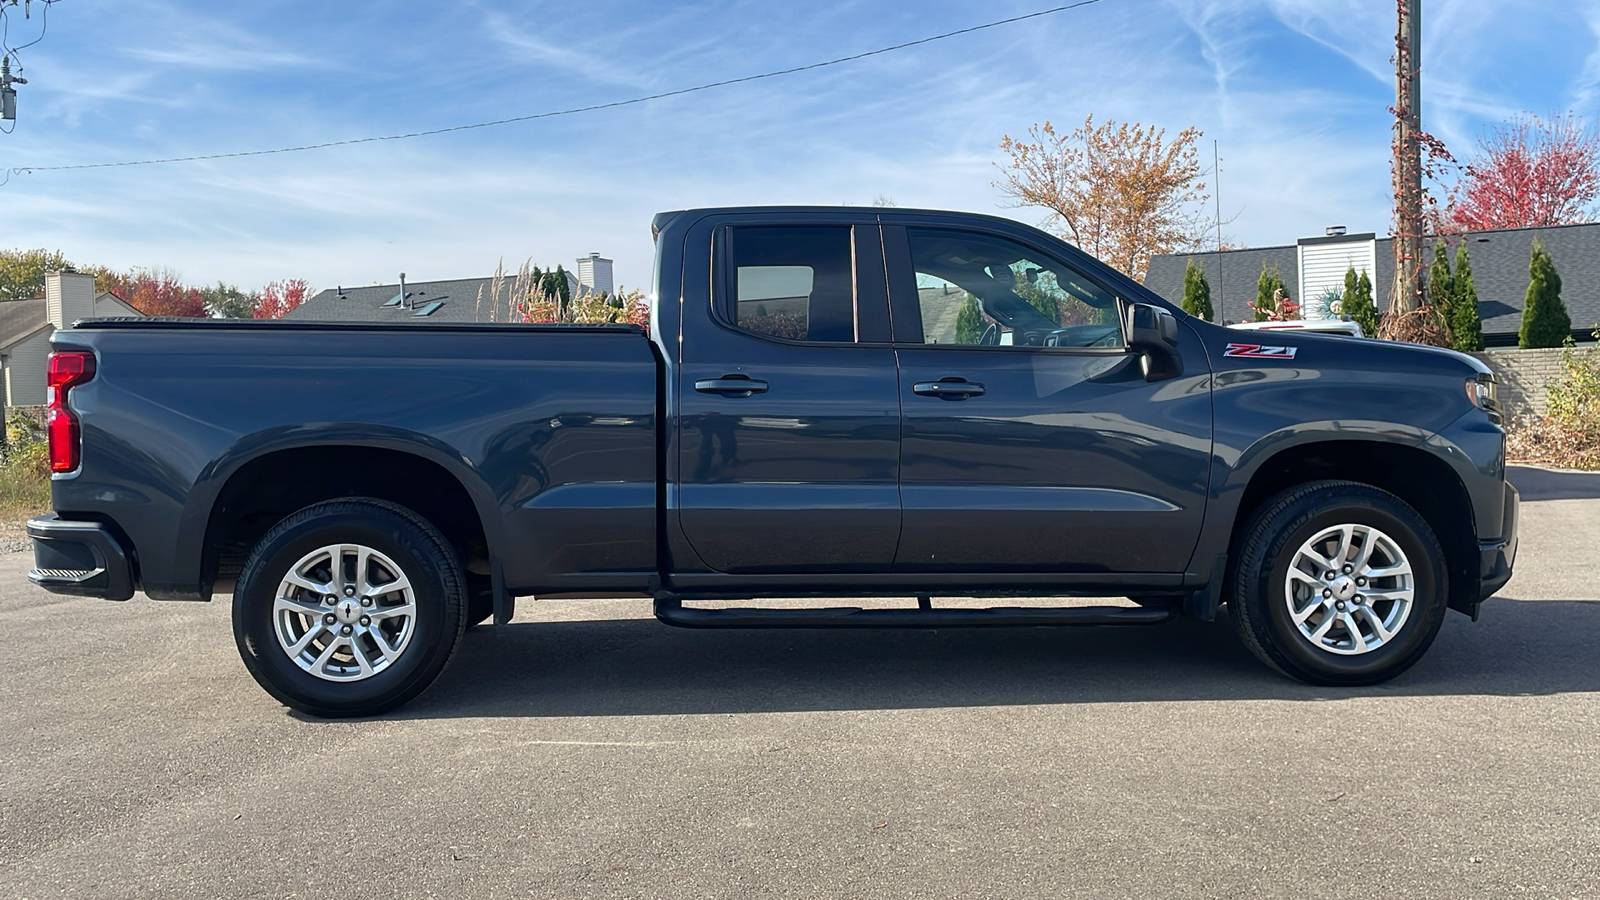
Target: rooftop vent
1334, 231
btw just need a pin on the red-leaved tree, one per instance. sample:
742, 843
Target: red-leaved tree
155, 292
1529, 172
278, 297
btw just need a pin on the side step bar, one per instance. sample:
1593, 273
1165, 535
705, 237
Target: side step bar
674, 613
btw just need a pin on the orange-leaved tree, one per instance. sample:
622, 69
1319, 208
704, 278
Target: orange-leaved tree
154, 292
279, 297
1119, 191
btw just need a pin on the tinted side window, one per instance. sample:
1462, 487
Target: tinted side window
980, 289
793, 282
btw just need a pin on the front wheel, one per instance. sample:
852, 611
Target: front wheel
349, 608
1338, 583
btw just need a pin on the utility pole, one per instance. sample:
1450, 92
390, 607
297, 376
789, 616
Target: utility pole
1216, 184
1405, 294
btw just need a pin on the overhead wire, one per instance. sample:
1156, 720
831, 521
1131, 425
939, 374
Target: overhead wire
560, 112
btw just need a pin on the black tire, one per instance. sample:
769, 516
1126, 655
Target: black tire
421, 553
1266, 547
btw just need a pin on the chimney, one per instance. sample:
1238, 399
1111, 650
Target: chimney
594, 274
68, 297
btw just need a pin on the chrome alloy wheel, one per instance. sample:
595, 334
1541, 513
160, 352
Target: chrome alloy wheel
1349, 589
344, 612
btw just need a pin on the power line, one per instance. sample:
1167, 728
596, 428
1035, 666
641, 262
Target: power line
563, 112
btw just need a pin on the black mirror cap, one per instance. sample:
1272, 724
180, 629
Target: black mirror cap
1153, 333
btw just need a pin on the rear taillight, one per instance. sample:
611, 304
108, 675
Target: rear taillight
67, 368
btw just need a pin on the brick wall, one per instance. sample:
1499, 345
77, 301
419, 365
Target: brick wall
1525, 377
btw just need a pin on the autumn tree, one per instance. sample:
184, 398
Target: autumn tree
1466, 327
1545, 322
154, 292
1122, 192
1529, 172
279, 297
1197, 292
22, 272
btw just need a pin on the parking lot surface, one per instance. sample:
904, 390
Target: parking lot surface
587, 751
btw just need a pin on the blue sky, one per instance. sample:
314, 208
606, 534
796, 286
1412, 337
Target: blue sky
1294, 90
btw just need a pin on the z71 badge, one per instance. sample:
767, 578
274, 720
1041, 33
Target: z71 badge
1257, 351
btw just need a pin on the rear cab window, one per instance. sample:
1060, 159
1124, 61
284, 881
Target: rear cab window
801, 283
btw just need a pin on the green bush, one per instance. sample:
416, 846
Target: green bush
1197, 293
1545, 322
1466, 328
1575, 399
969, 322
1441, 287
1358, 303
1268, 286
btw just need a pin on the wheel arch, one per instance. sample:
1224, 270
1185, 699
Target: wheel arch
1420, 478
267, 476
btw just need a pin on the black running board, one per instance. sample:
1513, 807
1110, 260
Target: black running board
673, 612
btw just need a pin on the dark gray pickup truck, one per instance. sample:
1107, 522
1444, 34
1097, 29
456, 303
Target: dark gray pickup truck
828, 403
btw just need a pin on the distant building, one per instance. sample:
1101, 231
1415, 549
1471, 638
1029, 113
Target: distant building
27, 325
594, 274
1313, 265
454, 300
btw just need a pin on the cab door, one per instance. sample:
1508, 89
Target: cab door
1031, 440
788, 405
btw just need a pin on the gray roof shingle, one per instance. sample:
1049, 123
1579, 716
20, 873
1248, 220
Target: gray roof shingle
458, 298
20, 318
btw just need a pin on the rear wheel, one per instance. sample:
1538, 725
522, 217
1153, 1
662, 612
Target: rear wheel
349, 608
1338, 583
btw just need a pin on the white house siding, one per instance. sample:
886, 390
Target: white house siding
107, 306
69, 296
25, 366
1323, 264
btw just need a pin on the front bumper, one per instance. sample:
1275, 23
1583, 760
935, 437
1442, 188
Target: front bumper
1498, 555
83, 559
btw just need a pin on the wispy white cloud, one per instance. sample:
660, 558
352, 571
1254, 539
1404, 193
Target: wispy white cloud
590, 62
1585, 88
1303, 133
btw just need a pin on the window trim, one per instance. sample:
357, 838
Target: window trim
724, 282
906, 311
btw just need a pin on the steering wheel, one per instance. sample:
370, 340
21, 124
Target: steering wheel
991, 336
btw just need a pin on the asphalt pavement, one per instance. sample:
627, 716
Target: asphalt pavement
586, 751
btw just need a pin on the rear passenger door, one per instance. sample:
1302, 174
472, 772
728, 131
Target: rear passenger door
789, 414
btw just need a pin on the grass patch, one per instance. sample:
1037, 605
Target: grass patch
24, 482
24, 473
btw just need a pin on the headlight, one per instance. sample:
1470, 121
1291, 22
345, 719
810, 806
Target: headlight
1484, 392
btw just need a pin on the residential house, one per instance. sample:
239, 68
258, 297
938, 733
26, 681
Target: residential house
454, 300
26, 327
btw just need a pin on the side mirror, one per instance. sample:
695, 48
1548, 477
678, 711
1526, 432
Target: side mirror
1153, 333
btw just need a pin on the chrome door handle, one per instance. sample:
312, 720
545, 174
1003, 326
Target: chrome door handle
948, 390
731, 386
